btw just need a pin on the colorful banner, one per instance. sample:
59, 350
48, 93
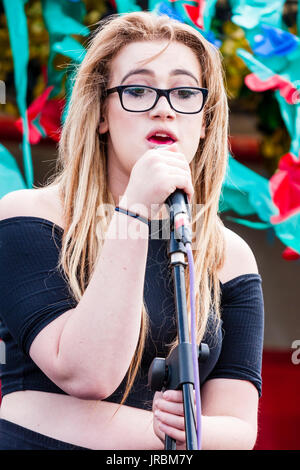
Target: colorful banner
273, 61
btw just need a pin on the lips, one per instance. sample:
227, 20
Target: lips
161, 140
161, 136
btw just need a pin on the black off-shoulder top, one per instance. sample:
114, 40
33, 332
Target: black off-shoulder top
34, 293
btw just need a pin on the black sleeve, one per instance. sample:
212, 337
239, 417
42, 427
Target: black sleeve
33, 291
243, 330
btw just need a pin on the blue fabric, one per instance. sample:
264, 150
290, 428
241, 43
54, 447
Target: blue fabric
34, 293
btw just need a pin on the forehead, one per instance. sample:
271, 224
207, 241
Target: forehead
134, 55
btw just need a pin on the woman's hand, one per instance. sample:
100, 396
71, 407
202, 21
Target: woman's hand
156, 175
168, 417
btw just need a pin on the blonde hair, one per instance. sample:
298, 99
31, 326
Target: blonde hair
82, 168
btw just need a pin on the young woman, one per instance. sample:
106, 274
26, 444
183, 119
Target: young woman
87, 294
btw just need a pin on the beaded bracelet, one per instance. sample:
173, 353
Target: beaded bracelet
133, 214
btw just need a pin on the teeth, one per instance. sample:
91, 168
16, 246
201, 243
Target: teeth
162, 135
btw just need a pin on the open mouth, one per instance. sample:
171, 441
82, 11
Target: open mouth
161, 139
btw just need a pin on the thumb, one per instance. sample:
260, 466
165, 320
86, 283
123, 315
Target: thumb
172, 147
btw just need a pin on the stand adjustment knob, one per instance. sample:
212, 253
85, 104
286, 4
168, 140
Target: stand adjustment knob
157, 374
203, 352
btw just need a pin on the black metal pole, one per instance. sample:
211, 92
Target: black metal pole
176, 372
176, 251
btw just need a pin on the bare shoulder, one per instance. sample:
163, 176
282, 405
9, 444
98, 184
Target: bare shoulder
239, 258
35, 202
16, 203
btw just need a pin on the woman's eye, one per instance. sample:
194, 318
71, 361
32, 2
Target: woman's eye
184, 94
135, 91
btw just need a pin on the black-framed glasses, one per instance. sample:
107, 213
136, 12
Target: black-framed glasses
141, 98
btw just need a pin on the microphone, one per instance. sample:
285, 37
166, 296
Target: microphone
180, 215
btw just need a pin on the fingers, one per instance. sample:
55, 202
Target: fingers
170, 407
169, 415
180, 172
173, 155
169, 419
182, 182
172, 402
170, 423
177, 165
176, 434
173, 161
173, 395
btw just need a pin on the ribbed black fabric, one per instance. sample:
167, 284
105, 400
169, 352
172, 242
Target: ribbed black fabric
34, 293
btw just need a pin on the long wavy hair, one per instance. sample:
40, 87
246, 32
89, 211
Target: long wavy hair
81, 171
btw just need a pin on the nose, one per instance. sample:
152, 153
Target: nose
162, 109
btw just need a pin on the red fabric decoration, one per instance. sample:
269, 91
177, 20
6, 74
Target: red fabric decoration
44, 118
195, 13
286, 88
200, 21
290, 255
285, 188
51, 118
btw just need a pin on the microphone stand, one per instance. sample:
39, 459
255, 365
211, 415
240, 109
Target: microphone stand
176, 371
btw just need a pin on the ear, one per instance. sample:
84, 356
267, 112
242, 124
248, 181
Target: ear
103, 126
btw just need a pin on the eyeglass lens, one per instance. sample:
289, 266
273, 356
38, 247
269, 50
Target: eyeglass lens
186, 100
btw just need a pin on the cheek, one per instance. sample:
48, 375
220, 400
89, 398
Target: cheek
126, 129
117, 120
126, 138
120, 130
193, 134
124, 123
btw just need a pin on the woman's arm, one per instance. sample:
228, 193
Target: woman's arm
87, 350
123, 428
229, 415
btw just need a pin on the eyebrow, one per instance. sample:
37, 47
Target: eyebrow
151, 73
